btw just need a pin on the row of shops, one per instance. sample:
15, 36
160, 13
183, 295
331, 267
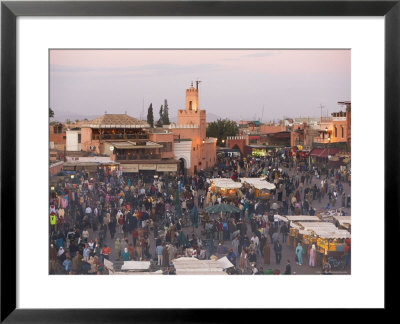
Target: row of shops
110, 166
329, 156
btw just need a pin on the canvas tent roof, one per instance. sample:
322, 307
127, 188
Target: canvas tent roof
225, 183
186, 265
136, 265
325, 230
298, 218
115, 121
258, 183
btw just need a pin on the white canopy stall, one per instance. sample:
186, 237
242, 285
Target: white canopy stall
262, 186
226, 187
224, 183
259, 183
344, 221
304, 218
325, 230
193, 266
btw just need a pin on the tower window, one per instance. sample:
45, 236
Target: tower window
190, 105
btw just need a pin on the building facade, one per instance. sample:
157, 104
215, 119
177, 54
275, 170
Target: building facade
73, 141
192, 147
57, 136
337, 128
131, 143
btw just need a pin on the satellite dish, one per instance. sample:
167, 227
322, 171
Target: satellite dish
92, 147
329, 157
111, 148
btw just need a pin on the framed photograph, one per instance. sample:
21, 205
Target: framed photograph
105, 124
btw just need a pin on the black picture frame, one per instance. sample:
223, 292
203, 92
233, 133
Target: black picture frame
10, 10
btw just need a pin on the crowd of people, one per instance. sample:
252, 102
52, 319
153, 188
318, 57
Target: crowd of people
108, 215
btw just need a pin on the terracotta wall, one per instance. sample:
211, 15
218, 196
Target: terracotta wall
191, 117
239, 142
86, 139
269, 129
164, 138
209, 155
192, 95
348, 112
56, 168
339, 125
58, 138
205, 154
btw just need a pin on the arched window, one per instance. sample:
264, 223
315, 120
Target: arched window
335, 131
342, 131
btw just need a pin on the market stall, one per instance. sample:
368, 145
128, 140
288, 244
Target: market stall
309, 230
344, 222
262, 187
328, 215
329, 240
302, 218
295, 230
225, 187
190, 266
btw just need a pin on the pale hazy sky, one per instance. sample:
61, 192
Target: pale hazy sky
236, 84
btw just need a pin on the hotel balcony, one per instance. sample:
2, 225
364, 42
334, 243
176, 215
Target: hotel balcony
138, 157
119, 136
322, 140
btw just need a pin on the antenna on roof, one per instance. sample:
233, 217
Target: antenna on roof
197, 84
105, 112
125, 112
262, 114
142, 114
320, 106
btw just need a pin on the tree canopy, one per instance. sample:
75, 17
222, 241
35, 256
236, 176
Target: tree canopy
150, 116
165, 117
51, 113
159, 122
221, 129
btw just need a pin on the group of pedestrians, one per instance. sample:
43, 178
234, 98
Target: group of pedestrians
108, 215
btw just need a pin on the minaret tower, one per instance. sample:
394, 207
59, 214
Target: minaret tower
192, 97
192, 115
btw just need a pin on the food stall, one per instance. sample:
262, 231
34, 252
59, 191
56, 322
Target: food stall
302, 218
344, 222
328, 215
330, 240
262, 187
226, 187
296, 232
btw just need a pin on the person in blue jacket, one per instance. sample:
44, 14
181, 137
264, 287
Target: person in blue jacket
299, 253
232, 257
125, 255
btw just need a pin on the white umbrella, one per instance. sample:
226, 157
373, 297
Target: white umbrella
275, 206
